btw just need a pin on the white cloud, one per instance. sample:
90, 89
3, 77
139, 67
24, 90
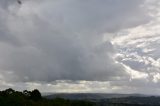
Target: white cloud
138, 49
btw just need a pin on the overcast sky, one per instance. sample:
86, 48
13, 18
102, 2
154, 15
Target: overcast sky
103, 46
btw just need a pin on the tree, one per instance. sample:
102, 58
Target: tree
27, 93
9, 91
35, 95
10, 97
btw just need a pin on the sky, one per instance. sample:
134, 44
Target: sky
80, 46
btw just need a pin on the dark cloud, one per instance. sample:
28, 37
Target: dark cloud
63, 39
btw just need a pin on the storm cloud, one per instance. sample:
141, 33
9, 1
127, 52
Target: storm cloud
63, 40
86, 42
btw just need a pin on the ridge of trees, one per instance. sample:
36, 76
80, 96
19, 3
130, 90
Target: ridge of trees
10, 97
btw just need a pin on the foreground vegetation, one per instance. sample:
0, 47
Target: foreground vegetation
10, 97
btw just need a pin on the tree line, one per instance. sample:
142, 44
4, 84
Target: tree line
10, 97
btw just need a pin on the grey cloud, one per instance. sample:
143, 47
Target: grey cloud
63, 39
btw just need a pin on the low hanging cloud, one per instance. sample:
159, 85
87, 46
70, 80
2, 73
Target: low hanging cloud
63, 39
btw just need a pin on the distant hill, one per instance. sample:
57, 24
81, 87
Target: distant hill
111, 99
131, 101
90, 96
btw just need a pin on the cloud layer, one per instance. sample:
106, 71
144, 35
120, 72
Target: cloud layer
109, 45
63, 40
